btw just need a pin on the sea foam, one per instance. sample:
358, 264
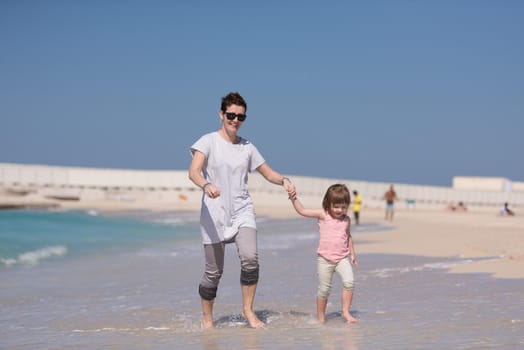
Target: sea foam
34, 257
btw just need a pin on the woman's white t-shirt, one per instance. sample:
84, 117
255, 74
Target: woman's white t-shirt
227, 166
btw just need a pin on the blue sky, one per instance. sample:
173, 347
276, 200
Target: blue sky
394, 91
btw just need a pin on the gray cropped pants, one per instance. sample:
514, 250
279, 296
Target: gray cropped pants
246, 242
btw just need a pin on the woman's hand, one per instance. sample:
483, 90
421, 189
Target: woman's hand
290, 188
211, 190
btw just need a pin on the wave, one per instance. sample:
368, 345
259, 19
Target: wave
170, 221
393, 271
34, 257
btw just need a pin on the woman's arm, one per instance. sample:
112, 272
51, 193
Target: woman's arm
195, 175
276, 178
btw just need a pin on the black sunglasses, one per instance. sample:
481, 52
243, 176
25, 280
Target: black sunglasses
232, 116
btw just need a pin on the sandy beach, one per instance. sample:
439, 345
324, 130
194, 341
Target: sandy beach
427, 229
442, 233
427, 280
499, 240
426, 233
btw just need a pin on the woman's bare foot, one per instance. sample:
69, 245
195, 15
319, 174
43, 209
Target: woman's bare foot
207, 323
253, 320
207, 314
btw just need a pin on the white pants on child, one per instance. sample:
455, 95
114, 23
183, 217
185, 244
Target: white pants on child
325, 270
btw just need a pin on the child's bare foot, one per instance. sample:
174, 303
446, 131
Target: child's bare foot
253, 320
349, 318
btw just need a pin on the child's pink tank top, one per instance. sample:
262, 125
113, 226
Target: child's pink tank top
333, 244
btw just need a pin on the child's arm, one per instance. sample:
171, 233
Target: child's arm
308, 213
352, 254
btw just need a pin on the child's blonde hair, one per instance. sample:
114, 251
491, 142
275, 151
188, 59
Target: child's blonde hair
336, 194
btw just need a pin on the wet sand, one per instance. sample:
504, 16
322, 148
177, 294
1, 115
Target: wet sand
404, 300
497, 239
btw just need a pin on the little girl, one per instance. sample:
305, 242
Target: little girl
335, 248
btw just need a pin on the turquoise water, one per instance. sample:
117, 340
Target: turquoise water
28, 237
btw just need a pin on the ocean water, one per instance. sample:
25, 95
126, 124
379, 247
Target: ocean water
87, 280
29, 237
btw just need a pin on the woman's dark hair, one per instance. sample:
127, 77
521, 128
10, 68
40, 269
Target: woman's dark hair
336, 194
233, 98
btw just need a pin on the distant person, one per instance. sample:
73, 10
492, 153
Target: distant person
460, 207
506, 211
390, 196
357, 202
220, 166
335, 248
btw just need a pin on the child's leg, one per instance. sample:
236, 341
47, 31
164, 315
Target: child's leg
321, 309
345, 271
347, 298
325, 270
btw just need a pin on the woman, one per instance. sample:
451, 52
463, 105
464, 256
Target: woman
220, 166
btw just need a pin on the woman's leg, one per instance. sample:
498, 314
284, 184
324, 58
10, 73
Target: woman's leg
246, 241
214, 255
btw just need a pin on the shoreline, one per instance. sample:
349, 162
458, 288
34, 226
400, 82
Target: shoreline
498, 240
